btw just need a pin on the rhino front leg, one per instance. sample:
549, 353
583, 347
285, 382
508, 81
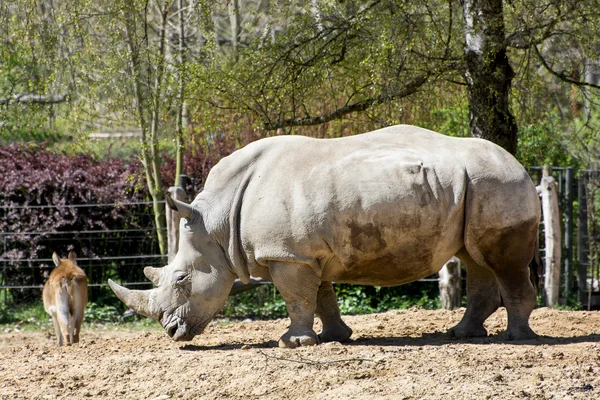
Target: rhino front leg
334, 329
298, 285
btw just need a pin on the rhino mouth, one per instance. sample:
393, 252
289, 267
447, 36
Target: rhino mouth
178, 331
181, 331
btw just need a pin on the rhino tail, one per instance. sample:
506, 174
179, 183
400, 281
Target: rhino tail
535, 267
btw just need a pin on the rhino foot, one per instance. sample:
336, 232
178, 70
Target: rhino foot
339, 333
521, 333
290, 341
459, 332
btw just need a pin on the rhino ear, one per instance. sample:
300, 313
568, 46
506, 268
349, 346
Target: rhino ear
185, 210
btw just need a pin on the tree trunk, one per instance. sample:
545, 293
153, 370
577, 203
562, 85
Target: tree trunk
488, 74
173, 219
182, 111
450, 284
234, 19
149, 138
157, 190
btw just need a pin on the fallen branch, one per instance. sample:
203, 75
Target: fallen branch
311, 362
34, 99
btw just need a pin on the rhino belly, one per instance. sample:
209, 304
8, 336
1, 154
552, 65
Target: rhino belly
389, 267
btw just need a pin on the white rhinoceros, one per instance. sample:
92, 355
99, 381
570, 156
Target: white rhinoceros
382, 208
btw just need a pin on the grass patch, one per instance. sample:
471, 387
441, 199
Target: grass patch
32, 318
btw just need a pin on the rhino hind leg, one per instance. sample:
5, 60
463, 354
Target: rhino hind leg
334, 328
483, 299
298, 285
519, 298
507, 252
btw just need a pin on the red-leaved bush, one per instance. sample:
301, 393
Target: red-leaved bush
199, 159
38, 191
39, 194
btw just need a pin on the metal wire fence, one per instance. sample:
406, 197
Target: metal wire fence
119, 252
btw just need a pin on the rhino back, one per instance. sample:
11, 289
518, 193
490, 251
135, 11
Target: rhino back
382, 208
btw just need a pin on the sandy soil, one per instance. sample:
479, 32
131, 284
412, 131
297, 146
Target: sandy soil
394, 355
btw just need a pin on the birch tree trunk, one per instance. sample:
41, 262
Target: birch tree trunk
234, 18
148, 103
450, 284
157, 190
182, 111
488, 73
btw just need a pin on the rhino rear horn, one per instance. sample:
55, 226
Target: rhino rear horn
185, 210
153, 274
137, 300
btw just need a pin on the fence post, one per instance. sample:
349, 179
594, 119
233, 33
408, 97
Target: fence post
450, 284
4, 283
173, 219
568, 230
551, 214
183, 181
582, 240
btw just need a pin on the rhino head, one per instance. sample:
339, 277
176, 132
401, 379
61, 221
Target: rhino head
192, 288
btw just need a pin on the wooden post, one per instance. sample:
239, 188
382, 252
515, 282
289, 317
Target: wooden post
552, 221
582, 240
568, 273
173, 219
450, 284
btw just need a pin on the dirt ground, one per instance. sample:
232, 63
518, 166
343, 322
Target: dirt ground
394, 355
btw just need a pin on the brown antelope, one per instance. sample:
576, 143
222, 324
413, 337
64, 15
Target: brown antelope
65, 298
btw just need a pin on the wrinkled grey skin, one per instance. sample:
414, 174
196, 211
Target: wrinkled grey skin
382, 208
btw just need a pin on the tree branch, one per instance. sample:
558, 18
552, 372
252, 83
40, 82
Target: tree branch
34, 99
410, 88
522, 38
561, 75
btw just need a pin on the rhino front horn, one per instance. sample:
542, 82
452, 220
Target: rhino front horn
137, 300
185, 210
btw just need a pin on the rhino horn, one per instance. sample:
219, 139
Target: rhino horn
185, 210
137, 300
153, 274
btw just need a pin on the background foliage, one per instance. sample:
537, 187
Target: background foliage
33, 178
192, 80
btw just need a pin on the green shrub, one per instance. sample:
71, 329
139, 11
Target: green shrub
99, 313
541, 144
24, 317
356, 299
264, 302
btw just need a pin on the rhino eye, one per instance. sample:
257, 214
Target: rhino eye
182, 278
